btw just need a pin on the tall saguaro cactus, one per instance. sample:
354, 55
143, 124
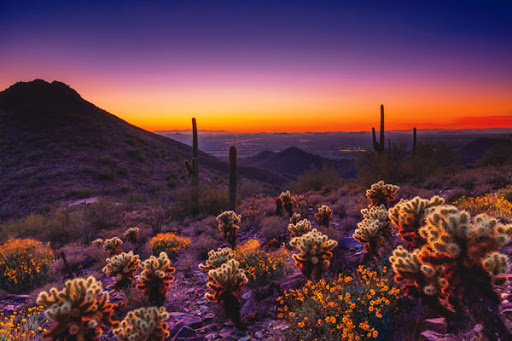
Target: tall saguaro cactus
414, 141
193, 168
233, 177
379, 146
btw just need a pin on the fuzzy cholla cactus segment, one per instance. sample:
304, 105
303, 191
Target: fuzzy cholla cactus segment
123, 267
315, 252
156, 277
77, 310
144, 324
98, 242
381, 193
216, 258
374, 230
228, 279
419, 278
300, 228
294, 219
132, 234
324, 215
497, 264
452, 234
409, 215
112, 246
228, 225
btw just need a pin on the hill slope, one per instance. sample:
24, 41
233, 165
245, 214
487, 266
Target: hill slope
294, 161
56, 146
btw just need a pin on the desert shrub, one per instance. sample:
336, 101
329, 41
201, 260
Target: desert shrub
316, 180
273, 229
58, 227
212, 200
24, 263
358, 307
202, 245
495, 204
261, 267
102, 214
169, 243
106, 173
22, 325
80, 193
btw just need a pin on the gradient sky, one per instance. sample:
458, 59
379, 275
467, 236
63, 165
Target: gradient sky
250, 66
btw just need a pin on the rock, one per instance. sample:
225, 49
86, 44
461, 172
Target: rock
505, 304
248, 307
507, 313
437, 325
294, 281
258, 335
226, 332
190, 291
245, 338
185, 319
349, 243
429, 335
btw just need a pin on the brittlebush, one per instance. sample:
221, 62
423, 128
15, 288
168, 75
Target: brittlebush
24, 263
355, 307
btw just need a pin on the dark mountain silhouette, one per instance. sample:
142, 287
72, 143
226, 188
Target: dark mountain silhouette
487, 150
294, 161
56, 146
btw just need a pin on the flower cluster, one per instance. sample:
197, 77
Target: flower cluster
23, 325
494, 204
261, 267
355, 307
24, 263
169, 243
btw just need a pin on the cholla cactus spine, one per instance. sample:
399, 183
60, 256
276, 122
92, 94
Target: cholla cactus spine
324, 215
300, 228
112, 246
315, 252
228, 225
381, 194
97, 242
123, 267
279, 207
144, 324
374, 231
156, 277
132, 234
77, 310
216, 258
294, 219
409, 215
226, 283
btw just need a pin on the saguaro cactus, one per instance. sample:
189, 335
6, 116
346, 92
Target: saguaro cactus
192, 167
414, 141
233, 177
379, 146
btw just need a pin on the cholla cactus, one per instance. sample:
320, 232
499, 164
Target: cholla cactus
465, 249
226, 283
381, 194
294, 219
286, 200
409, 215
112, 246
77, 310
228, 225
496, 264
155, 278
300, 228
132, 234
324, 215
315, 252
216, 258
374, 231
97, 242
123, 267
144, 324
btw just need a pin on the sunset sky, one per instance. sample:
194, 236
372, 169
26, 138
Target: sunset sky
249, 66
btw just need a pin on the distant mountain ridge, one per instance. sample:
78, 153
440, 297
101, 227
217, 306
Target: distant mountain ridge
294, 161
56, 146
